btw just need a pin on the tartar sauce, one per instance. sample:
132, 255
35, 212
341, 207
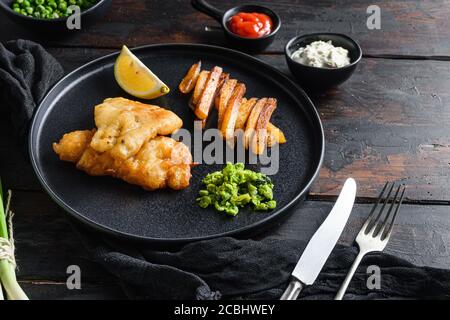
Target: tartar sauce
322, 54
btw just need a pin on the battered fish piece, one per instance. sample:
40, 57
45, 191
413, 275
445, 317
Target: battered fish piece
123, 126
161, 162
72, 145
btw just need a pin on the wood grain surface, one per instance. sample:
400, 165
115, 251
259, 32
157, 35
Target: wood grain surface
386, 123
407, 27
44, 252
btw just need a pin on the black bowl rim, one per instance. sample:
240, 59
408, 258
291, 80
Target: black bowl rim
311, 35
174, 241
271, 34
11, 11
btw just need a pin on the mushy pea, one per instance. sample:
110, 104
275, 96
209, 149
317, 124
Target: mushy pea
235, 187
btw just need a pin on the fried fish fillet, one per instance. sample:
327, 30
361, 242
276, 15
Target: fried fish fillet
161, 162
123, 126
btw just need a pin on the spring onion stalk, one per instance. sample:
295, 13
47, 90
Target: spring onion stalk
7, 273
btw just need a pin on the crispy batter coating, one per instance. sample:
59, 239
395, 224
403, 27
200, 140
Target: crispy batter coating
72, 145
126, 145
124, 125
161, 162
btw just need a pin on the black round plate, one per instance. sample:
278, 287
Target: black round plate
167, 216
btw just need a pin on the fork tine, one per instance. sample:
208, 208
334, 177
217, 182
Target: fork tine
382, 225
373, 223
371, 213
385, 234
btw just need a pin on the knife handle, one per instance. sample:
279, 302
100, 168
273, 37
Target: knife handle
293, 290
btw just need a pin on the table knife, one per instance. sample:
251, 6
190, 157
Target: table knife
322, 243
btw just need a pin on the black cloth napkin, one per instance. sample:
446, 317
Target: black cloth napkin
27, 72
211, 269
248, 269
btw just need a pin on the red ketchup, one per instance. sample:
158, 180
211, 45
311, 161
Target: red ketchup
250, 25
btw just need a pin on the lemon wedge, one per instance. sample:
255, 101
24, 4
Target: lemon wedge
135, 78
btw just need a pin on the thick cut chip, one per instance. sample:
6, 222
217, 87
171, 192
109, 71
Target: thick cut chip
251, 121
274, 135
199, 87
259, 138
224, 96
208, 94
244, 112
232, 110
188, 83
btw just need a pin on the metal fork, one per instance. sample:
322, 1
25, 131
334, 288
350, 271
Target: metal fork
374, 235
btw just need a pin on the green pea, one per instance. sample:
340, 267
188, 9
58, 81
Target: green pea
30, 10
62, 6
232, 211
271, 204
17, 10
261, 207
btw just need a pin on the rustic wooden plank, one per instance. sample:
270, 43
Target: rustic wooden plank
387, 122
421, 234
46, 245
418, 242
407, 27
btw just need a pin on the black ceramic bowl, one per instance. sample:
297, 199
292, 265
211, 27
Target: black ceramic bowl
241, 43
55, 26
322, 78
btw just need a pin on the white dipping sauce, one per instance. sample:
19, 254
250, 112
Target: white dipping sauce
322, 54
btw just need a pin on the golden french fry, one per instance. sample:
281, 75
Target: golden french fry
199, 87
203, 122
188, 83
274, 135
231, 112
225, 94
223, 78
244, 111
259, 138
251, 121
217, 100
209, 92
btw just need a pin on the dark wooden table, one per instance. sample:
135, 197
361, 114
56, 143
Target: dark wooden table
390, 121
